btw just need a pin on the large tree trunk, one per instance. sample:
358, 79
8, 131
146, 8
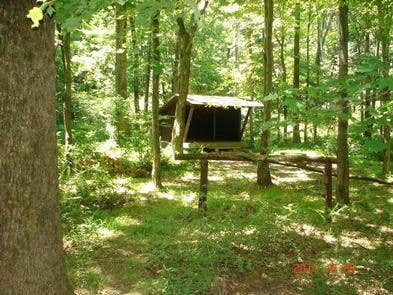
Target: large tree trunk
135, 65
156, 172
31, 259
121, 68
296, 70
186, 39
263, 170
385, 19
67, 112
344, 109
147, 76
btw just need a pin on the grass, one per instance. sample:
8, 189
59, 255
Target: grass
248, 243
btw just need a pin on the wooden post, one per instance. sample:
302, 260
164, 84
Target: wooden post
203, 185
327, 175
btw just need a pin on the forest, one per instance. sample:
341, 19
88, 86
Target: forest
196, 147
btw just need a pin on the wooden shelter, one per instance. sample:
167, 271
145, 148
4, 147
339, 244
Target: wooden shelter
211, 121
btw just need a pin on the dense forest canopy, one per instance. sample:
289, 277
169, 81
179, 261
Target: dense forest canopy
298, 200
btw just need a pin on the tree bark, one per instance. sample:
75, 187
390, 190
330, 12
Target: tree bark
121, 53
343, 108
281, 42
67, 100
147, 76
385, 19
175, 69
121, 69
296, 69
186, 42
308, 72
186, 39
263, 169
156, 172
135, 65
367, 96
31, 260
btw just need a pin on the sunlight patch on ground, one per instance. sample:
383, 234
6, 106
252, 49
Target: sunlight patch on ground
147, 188
293, 177
121, 184
166, 195
110, 147
124, 220
189, 198
106, 233
355, 239
189, 176
347, 240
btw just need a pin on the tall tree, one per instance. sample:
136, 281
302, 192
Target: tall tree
175, 66
156, 172
263, 169
147, 74
296, 69
186, 42
323, 27
367, 95
121, 53
307, 69
135, 64
31, 260
385, 23
343, 108
67, 112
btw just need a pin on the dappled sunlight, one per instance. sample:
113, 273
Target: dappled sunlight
257, 234
293, 177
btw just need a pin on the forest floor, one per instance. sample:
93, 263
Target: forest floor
251, 241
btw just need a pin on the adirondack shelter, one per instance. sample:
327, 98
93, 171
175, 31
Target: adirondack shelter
211, 121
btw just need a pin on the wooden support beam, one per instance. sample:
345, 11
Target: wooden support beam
187, 127
221, 156
202, 206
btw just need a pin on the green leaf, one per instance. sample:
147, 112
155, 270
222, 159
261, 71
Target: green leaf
35, 14
50, 10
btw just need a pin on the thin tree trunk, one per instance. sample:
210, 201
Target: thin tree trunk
175, 69
31, 259
156, 172
385, 23
344, 109
367, 96
67, 112
263, 170
121, 53
323, 28
318, 60
296, 70
135, 51
308, 71
281, 41
147, 76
